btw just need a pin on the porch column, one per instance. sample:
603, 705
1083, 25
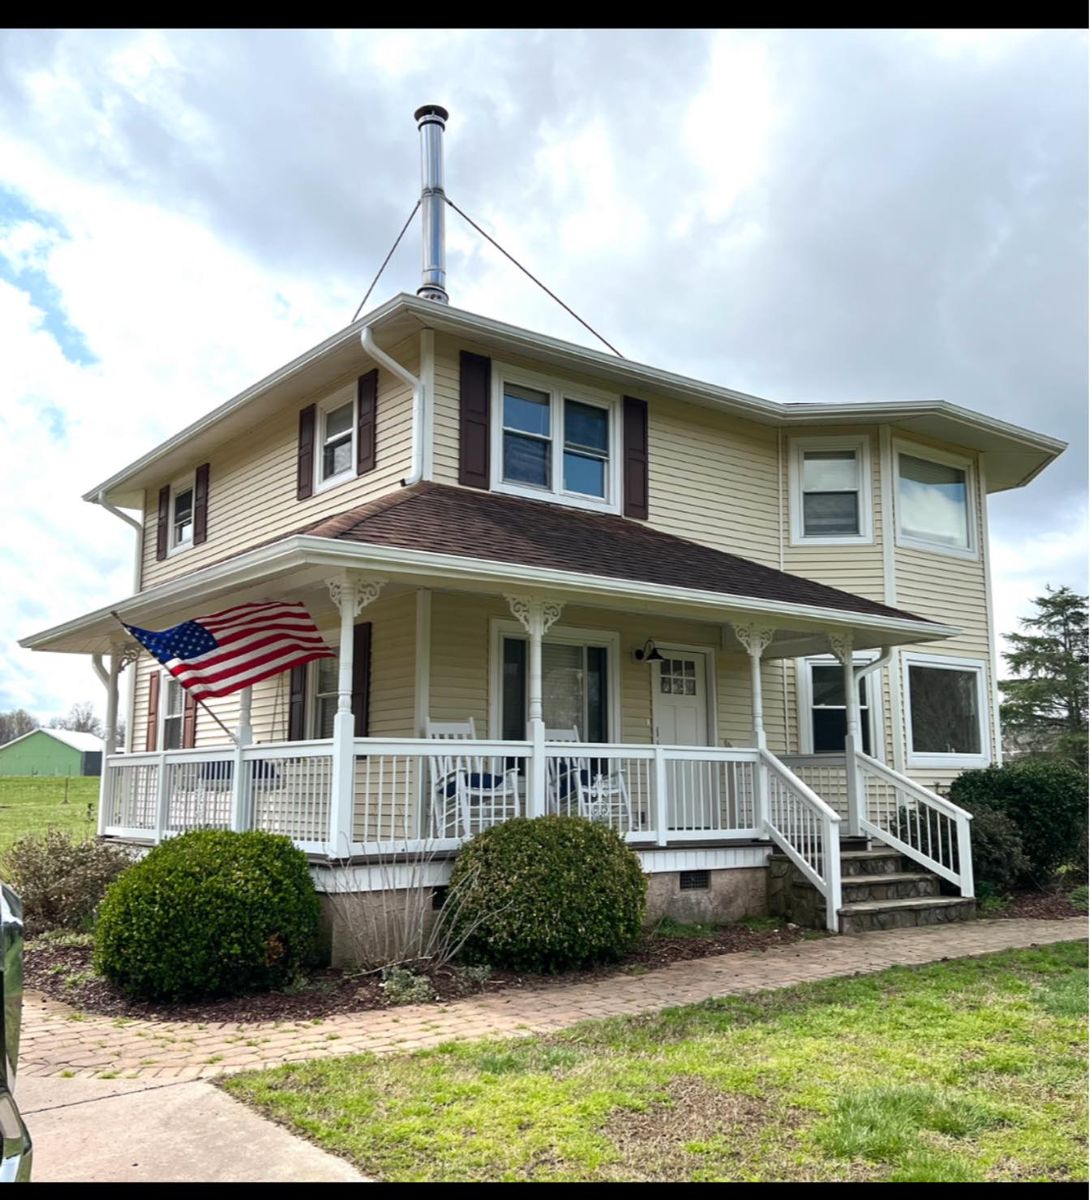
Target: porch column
120, 657
536, 616
351, 593
841, 644
755, 639
240, 786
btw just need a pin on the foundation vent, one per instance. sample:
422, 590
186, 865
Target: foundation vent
694, 881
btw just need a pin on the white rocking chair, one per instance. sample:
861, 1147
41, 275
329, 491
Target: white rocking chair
578, 787
469, 792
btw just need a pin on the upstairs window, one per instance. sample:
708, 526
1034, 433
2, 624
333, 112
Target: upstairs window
933, 502
181, 516
830, 490
554, 441
336, 442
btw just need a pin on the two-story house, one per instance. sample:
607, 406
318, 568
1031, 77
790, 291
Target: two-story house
561, 581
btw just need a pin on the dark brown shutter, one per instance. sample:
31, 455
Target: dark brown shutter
635, 458
304, 482
189, 722
366, 415
162, 535
200, 505
361, 677
475, 390
297, 705
152, 735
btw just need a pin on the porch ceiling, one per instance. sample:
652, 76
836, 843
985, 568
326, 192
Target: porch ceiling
419, 538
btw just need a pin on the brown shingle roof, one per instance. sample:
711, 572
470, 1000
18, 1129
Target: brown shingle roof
438, 519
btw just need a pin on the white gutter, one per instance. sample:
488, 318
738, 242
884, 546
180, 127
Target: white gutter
101, 500
884, 659
416, 469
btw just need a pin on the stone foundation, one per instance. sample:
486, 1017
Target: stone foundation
355, 921
732, 894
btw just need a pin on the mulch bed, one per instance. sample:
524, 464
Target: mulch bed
64, 973
1039, 906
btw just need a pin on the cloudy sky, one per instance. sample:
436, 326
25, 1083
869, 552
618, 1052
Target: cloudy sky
822, 215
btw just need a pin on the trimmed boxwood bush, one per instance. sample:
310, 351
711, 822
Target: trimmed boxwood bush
546, 894
209, 913
1046, 800
999, 860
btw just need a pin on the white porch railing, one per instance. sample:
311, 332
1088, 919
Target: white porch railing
825, 774
807, 830
917, 822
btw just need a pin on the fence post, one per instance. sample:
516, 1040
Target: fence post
162, 800
661, 808
535, 775
965, 856
240, 792
830, 832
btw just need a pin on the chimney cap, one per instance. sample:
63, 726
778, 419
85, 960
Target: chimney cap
431, 110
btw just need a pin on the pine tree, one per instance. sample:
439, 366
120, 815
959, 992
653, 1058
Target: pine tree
1045, 706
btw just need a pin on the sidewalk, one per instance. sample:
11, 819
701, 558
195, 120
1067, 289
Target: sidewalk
69, 1047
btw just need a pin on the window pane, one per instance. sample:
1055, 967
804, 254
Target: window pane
526, 409
526, 460
514, 690
831, 727
336, 458
830, 514
829, 471
586, 426
328, 672
932, 501
597, 719
183, 515
172, 733
338, 422
945, 716
562, 686
828, 685
584, 475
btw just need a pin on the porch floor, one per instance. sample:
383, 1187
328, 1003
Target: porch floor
164, 1051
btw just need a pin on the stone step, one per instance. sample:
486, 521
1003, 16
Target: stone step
890, 885
871, 862
867, 915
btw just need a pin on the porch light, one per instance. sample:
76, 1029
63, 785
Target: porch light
648, 654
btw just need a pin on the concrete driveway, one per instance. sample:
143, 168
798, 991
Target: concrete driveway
137, 1131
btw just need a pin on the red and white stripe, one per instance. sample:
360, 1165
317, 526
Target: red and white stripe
256, 641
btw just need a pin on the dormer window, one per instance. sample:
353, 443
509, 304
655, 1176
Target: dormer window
554, 440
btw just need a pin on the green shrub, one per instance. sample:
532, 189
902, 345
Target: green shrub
1080, 898
547, 894
402, 986
1046, 800
999, 860
209, 913
61, 880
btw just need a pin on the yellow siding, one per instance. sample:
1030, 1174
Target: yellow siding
252, 479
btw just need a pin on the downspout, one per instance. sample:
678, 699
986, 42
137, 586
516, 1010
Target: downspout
416, 468
861, 672
102, 502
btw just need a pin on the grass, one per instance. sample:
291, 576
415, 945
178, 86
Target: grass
972, 1069
33, 804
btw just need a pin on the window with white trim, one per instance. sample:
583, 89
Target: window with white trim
335, 460
574, 688
947, 711
181, 513
172, 712
554, 440
824, 720
322, 693
934, 501
830, 490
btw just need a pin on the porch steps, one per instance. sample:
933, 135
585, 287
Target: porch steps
880, 890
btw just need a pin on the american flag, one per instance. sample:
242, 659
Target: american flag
227, 651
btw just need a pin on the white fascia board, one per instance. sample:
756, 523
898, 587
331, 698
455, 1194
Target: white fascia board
305, 550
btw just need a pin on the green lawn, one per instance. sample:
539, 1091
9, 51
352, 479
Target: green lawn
967, 1070
32, 804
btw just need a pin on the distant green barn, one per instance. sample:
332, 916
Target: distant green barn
52, 752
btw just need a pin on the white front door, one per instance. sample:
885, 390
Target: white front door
680, 709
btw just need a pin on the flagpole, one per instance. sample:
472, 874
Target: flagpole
197, 699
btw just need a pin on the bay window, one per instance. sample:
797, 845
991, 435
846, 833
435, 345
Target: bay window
934, 502
947, 711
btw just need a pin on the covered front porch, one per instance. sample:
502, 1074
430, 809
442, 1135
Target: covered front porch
467, 692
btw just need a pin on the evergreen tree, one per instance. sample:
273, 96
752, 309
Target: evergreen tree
1045, 705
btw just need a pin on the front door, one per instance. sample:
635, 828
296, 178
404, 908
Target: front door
680, 711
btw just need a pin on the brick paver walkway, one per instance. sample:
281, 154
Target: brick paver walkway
61, 1042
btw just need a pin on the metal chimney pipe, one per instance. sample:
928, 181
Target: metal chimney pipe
432, 120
